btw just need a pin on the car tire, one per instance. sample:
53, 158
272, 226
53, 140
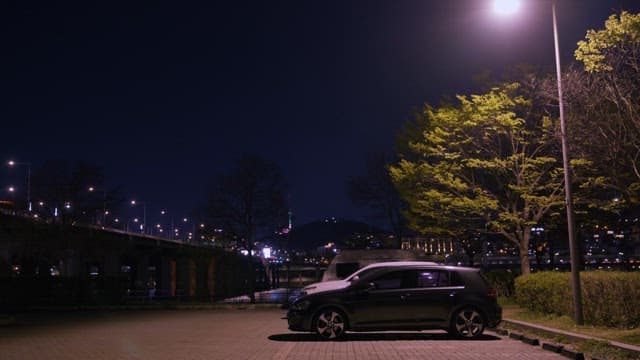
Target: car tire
330, 324
467, 323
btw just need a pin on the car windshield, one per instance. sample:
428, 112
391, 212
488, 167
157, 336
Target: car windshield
359, 274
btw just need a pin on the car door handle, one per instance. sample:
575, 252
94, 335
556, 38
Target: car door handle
405, 296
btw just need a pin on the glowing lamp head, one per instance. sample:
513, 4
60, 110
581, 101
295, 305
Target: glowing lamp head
506, 7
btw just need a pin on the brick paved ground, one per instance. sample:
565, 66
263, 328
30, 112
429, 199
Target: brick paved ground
229, 334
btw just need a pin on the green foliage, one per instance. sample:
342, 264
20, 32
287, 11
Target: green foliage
609, 298
489, 161
503, 281
604, 103
621, 34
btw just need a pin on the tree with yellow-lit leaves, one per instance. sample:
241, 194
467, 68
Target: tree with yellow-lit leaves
489, 163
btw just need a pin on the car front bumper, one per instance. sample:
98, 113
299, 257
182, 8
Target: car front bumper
298, 321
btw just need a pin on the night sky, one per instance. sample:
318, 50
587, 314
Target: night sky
164, 95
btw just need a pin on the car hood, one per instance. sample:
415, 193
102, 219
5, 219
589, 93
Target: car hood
325, 286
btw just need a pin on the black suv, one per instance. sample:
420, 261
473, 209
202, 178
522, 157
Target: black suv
398, 296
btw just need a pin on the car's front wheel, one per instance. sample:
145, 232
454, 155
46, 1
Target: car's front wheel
330, 324
467, 323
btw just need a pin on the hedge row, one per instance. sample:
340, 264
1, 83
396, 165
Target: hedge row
609, 298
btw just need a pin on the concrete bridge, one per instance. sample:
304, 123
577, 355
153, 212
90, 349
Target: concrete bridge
42, 262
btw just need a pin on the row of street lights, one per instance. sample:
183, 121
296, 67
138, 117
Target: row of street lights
173, 234
12, 163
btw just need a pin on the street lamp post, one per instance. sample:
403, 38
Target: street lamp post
144, 215
190, 236
507, 6
104, 203
172, 228
573, 246
12, 163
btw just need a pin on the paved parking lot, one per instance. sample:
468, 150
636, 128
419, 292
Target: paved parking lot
229, 334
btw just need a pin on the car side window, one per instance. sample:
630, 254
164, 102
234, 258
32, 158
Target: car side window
433, 278
392, 280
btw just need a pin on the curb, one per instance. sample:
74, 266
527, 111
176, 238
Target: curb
572, 354
573, 336
156, 307
558, 348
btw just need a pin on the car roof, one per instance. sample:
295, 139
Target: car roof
400, 264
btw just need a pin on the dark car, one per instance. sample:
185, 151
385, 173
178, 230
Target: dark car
398, 296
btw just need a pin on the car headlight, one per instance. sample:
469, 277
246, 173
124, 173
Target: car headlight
300, 305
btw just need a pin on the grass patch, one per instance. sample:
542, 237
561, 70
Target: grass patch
602, 350
512, 311
592, 348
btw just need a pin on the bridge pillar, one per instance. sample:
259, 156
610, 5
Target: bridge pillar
142, 275
167, 277
187, 277
211, 278
111, 264
71, 264
193, 277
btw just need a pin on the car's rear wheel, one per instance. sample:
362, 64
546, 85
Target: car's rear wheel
330, 324
467, 323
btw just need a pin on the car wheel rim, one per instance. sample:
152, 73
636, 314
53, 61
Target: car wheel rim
469, 323
330, 325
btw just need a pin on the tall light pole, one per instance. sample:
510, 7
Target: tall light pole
104, 203
574, 251
172, 232
12, 163
509, 6
144, 215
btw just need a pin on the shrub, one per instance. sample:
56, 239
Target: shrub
608, 298
503, 281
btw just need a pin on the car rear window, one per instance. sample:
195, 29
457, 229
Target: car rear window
438, 278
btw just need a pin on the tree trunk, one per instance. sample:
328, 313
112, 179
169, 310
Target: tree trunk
525, 266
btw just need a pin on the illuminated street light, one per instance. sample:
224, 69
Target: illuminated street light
144, 215
104, 203
500, 6
190, 235
172, 232
506, 7
12, 163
